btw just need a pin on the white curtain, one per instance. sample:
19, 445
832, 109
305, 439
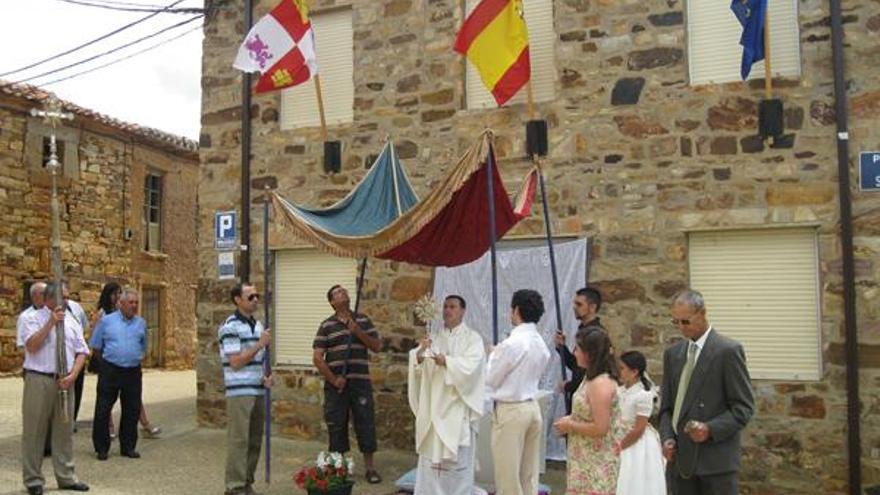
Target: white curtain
522, 268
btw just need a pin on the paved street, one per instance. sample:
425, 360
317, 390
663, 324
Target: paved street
185, 460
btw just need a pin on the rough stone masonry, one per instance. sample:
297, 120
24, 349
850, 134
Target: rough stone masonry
638, 158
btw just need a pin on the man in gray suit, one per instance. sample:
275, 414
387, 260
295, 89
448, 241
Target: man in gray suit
707, 400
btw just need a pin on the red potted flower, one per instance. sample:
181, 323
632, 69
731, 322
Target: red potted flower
329, 476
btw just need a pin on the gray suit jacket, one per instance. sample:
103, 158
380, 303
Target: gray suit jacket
719, 394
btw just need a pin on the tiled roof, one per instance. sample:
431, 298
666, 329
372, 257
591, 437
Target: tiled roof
161, 138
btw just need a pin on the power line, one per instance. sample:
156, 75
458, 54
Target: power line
88, 43
108, 52
117, 7
128, 4
121, 59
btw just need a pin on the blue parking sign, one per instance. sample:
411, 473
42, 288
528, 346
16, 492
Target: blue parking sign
869, 171
225, 233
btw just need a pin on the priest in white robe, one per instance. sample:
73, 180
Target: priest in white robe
446, 388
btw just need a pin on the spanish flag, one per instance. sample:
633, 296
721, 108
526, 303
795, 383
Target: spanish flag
495, 39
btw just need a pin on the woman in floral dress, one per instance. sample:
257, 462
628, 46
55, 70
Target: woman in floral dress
593, 426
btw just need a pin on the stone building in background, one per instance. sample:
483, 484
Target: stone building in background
128, 214
653, 156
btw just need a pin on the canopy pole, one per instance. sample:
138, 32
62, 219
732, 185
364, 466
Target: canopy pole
548, 231
394, 178
267, 354
490, 176
357, 304
768, 71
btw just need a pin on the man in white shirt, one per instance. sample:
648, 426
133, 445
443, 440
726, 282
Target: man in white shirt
36, 293
515, 367
445, 388
41, 406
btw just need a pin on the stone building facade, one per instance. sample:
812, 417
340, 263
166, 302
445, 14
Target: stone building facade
106, 164
638, 158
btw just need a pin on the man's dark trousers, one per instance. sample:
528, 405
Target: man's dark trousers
123, 383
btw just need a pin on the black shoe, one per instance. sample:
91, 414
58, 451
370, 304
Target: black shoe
102, 456
35, 490
47, 453
79, 486
132, 454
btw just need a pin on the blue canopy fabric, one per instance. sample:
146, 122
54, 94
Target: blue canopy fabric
383, 195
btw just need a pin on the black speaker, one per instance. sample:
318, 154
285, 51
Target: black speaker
536, 138
332, 157
770, 119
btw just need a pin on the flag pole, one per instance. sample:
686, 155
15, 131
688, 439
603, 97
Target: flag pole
321, 106
530, 100
267, 355
492, 233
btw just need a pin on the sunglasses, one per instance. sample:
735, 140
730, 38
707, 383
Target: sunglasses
254, 297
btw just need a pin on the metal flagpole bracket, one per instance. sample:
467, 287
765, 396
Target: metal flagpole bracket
332, 157
536, 138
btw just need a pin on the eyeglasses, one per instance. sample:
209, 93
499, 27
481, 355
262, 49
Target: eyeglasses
676, 321
253, 297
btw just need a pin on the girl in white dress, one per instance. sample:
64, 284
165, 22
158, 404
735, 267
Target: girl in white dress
641, 459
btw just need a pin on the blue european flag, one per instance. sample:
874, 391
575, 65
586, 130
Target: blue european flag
750, 14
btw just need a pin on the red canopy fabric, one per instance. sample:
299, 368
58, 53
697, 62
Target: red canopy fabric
459, 234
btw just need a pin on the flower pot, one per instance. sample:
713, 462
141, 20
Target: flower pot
341, 490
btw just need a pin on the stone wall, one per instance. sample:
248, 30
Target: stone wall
638, 158
99, 198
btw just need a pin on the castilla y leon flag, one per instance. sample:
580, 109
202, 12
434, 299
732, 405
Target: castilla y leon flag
281, 47
495, 39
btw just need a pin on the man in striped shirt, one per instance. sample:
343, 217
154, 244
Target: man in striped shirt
340, 354
243, 342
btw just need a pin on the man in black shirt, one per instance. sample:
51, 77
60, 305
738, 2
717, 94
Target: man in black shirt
340, 354
586, 305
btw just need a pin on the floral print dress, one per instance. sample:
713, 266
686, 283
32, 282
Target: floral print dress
592, 465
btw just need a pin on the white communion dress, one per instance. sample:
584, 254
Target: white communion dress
641, 464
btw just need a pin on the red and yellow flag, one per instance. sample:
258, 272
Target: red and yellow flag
495, 39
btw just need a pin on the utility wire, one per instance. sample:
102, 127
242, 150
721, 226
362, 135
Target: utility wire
128, 4
121, 59
80, 47
182, 10
108, 52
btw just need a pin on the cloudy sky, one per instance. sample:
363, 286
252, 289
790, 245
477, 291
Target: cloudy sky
159, 88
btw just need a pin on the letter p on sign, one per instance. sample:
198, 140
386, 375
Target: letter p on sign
225, 235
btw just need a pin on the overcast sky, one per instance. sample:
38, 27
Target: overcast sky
159, 88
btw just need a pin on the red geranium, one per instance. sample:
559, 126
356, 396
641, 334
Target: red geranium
330, 472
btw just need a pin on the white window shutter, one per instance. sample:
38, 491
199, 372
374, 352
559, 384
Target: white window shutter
333, 40
762, 289
542, 46
714, 52
302, 278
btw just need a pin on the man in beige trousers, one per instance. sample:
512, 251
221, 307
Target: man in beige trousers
243, 342
515, 367
41, 406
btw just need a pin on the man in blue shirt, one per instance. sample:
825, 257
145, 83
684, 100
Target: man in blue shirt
120, 340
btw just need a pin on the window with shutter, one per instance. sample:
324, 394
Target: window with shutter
762, 288
333, 40
714, 52
302, 278
542, 45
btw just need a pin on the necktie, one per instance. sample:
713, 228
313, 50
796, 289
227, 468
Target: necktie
683, 383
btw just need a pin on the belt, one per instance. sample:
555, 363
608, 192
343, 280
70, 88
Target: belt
513, 401
43, 373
